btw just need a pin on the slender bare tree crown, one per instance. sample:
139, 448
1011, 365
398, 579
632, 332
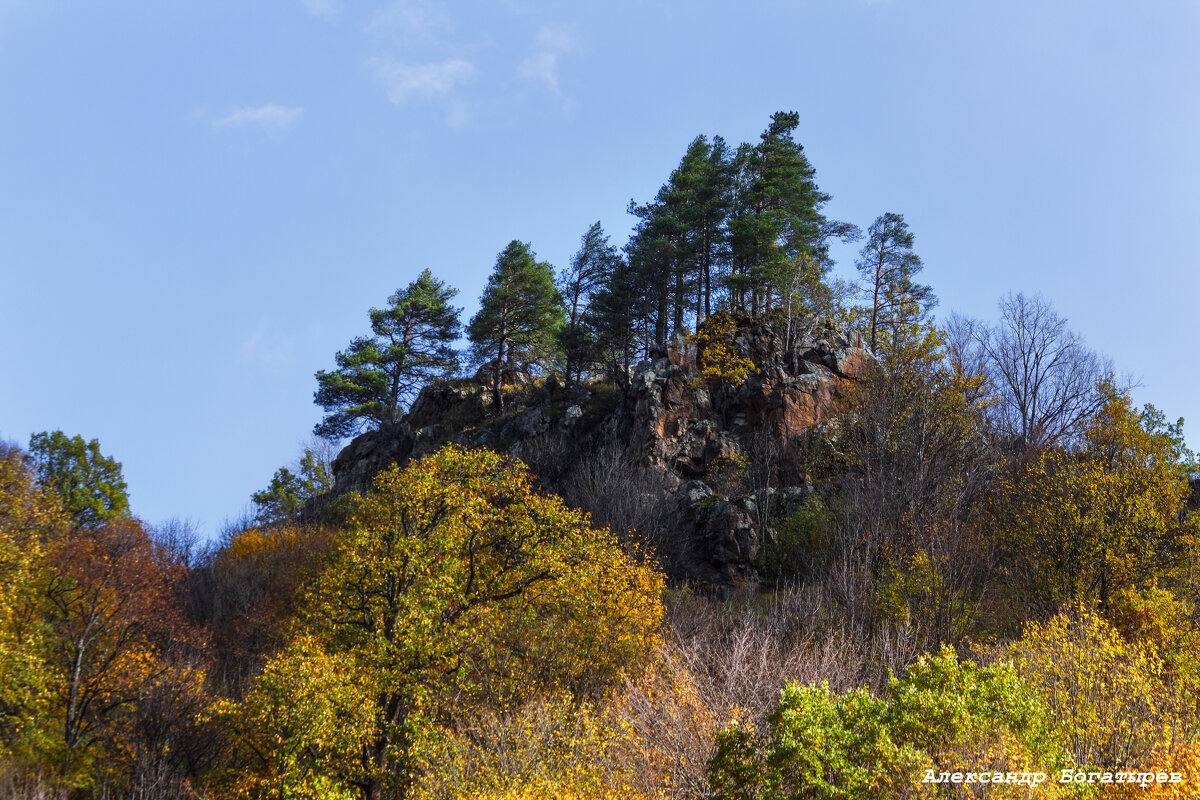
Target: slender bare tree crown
1042, 375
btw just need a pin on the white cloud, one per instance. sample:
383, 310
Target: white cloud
411, 21
266, 116
557, 41
542, 66
324, 9
401, 81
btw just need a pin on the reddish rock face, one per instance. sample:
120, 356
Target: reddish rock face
675, 415
670, 420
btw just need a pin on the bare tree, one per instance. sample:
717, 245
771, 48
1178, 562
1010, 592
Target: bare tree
1042, 375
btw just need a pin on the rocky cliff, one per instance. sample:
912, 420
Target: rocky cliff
698, 460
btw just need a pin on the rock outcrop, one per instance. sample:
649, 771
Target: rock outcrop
700, 437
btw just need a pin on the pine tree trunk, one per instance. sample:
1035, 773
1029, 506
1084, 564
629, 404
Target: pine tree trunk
497, 394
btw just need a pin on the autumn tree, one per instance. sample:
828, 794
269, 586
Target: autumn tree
88, 482
246, 592
1107, 693
111, 609
101, 681
30, 515
888, 265
291, 488
916, 472
519, 315
378, 375
457, 579
1081, 524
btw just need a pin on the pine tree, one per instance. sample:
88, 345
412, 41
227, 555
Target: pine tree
590, 266
657, 253
519, 316
887, 263
706, 181
681, 237
777, 216
378, 376
620, 308
288, 491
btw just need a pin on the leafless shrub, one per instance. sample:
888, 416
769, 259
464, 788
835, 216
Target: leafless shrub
722, 661
654, 736
18, 784
628, 499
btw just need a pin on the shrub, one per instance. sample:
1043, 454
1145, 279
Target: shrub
945, 715
1105, 692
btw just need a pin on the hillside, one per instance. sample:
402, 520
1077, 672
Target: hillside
672, 438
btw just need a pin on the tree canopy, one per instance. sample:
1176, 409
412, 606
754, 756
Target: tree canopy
455, 579
519, 314
88, 482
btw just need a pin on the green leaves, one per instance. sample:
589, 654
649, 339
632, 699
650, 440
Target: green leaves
777, 216
89, 483
819, 744
289, 491
945, 714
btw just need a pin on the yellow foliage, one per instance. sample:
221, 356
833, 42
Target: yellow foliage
719, 359
1107, 694
1162, 623
1184, 760
903, 344
1084, 524
301, 724
649, 740
457, 590
29, 518
548, 747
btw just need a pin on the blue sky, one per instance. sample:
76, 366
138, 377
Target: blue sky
199, 201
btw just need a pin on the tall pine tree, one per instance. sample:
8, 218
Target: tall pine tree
777, 217
519, 315
888, 264
681, 238
590, 267
703, 189
618, 319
